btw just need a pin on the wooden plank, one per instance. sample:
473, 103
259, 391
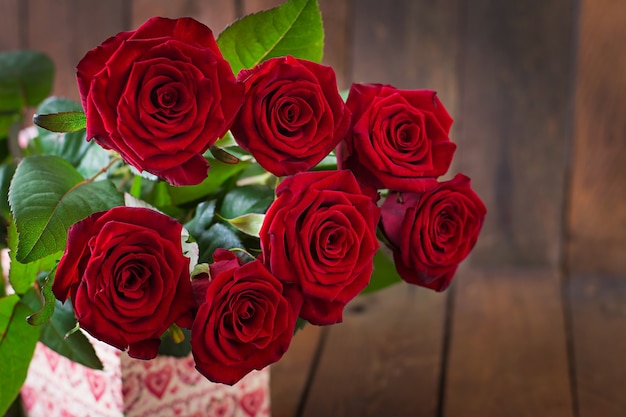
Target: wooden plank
409, 44
289, 376
337, 42
216, 14
9, 25
67, 29
508, 352
599, 335
384, 359
515, 71
253, 6
597, 225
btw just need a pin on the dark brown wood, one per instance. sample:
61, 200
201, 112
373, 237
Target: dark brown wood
9, 25
599, 324
216, 14
384, 359
410, 44
336, 16
508, 352
289, 376
67, 29
597, 225
253, 6
515, 75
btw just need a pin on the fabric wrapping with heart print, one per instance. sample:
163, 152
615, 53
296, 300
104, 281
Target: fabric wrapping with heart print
127, 387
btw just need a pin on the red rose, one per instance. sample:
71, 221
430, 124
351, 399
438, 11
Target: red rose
398, 138
160, 95
128, 278
246, 321
433, 231
293, 115
320, 234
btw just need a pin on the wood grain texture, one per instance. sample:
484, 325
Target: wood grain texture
337, 21
599, 335
67, 30
508, 348
253, 6
384, 359
216, 14
289, 376
9, 25
515, 70
410, 44
597, 226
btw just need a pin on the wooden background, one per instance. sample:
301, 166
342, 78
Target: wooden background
535, 323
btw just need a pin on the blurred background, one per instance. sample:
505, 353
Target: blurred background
535, 322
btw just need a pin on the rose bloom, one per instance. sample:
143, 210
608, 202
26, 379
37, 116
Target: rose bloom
160, 95
398, 138
432, 232
320, 234
245, 320
293, 115
127, 277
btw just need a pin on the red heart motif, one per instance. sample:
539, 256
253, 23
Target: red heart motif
221, 407
73, 374
51, 357
186, 371
29, 397
157, 381
97, 383
131, 390
252, 401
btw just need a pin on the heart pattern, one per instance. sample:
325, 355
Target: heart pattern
157, 381
97, 383
165, 386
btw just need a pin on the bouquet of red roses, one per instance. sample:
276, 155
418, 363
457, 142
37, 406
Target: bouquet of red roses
226, 194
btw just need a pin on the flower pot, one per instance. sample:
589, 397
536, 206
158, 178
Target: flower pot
165, 386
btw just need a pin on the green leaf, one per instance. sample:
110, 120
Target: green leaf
22, 276
293, 28
7, 304
246, 199
300, 323
54, 333
43, 315
208, 235
71, 146
6, 173
16, 352
249, 224
91, 161
226, 141
47, 196
218, 174
170, 348
384, 274
70, 121
26, 79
